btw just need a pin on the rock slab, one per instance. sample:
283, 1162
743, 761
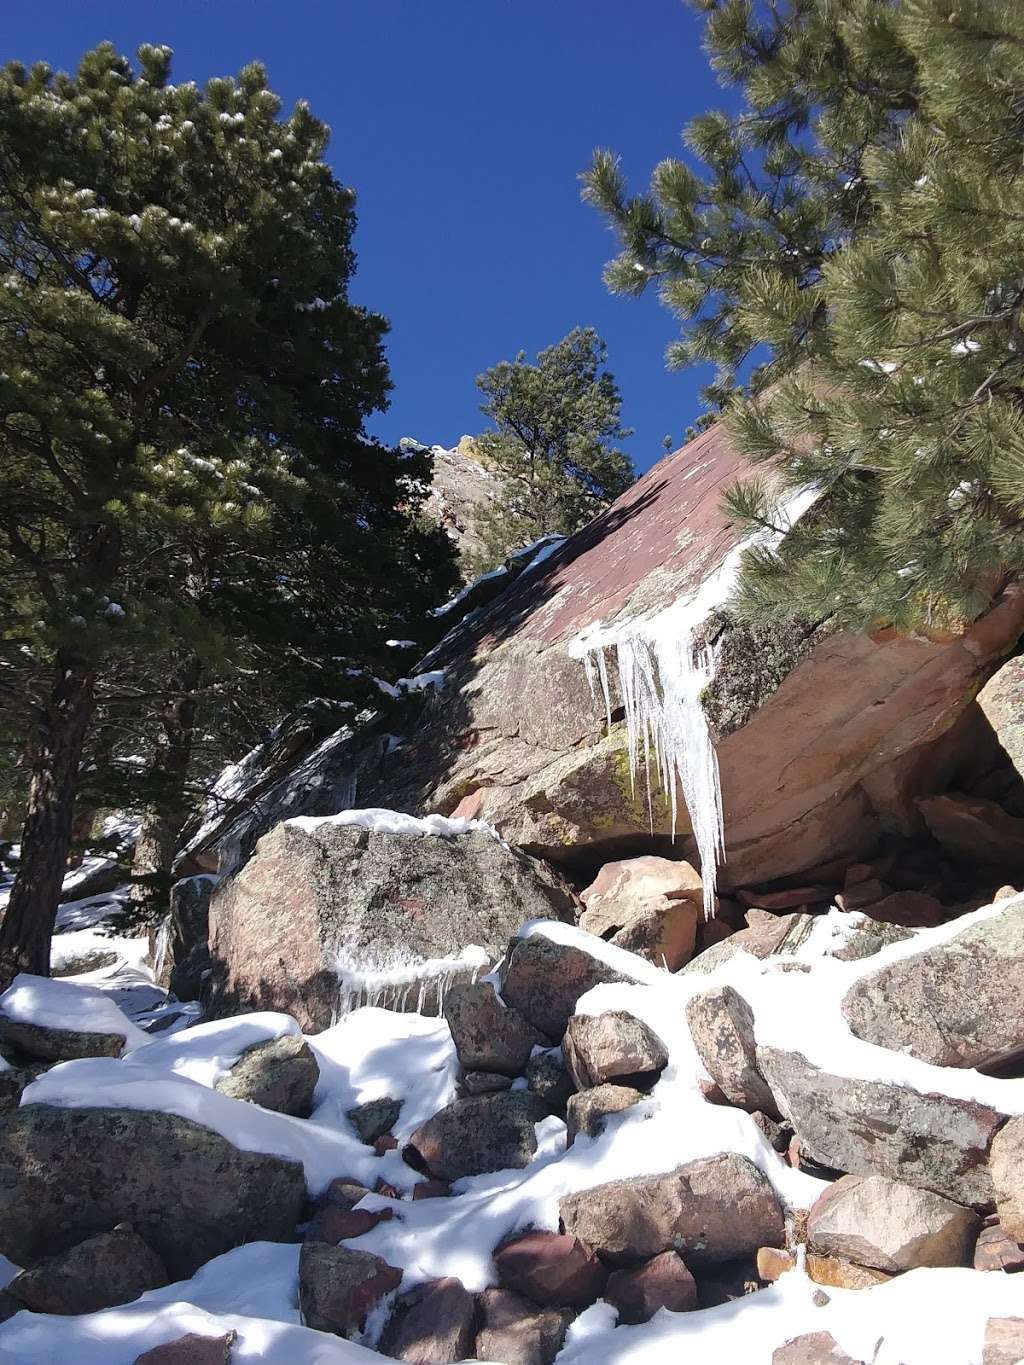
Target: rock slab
891, 1226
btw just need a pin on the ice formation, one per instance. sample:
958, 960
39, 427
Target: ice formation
663, 668
403, 981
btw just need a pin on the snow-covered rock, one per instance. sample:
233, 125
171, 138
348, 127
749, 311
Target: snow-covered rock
54, 1021
330, 914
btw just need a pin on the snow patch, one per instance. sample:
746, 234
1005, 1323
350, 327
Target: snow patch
62, 1004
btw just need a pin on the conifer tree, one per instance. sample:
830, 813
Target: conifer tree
552, 442
850, 246
189, 506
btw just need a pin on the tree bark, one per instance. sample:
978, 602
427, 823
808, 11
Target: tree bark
164, 817
46, 838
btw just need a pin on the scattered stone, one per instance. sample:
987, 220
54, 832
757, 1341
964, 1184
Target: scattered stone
484, 1082
766, 935
551, 1269
996, 1251
280, 1074
837, 1274
105, 1270
773, 1262
343, 1193
488, 1035
870, 936
431, 1189
715, 1209
722, 1027
813, 1348
478, 1134
623, 890
960, 1003
880, 1128
548, 1078
664, 933
334, 1225
1004, 1341
374, 1119
339, 1285
387, 1142
517, 1332
189, 1194
191, 1349
1006, 1162
614, 1046
662, 1282
890, 1226
58, 1044
586, 1112
433, 1325
861, 894
543, 980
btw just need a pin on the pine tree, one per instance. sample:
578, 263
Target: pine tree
552, 442
853, 251
190, 511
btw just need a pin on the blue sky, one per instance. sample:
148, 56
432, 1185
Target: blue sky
462, 125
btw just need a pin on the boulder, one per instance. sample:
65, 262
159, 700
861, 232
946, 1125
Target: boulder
1004, 1341
813, 1348
975, 830
488, 1035
280, 1074
57, 1044
648, 905
191, 1349
551, 1269
662, 1282
715, 1209
994, 1250
587, 1110
339, 1285
722, 1027
1006, 1163
614, 1046
834, 1273
333, 1225
517, 1332
483, 1082
374, 1119
891, 1226
766, 935
773, 1263
879, 1128
108, 1269
188, 948
960, 1003
12, 1083
66, 1174
329, 915
909, 909
478, 1134
869, 936
435, 1324
543, 980
548, 1078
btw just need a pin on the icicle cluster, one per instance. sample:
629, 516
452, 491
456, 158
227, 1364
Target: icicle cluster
661, 676
403, 982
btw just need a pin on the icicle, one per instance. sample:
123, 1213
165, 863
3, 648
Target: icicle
163, 939
389, 983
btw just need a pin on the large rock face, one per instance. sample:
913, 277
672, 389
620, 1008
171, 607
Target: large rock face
328, 915
824, 740
66, 1174
958, 1004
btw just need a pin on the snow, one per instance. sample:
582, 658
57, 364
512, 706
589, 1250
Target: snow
380, 821
662, 673
422, 681
61, 1004
206, 1052
463, 593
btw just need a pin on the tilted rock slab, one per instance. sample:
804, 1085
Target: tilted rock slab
543, 980
880, 1128
960, 1003
66, 1174
715, 1209
615, 1046
722, 1028
383, 901
891, 1226
488, 1035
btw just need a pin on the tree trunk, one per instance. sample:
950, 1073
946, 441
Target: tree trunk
164, 817
46, 839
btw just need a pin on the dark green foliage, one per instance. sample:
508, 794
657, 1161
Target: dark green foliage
553, 443
856, 234
189, 505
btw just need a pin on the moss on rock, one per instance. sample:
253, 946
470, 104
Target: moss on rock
752, 662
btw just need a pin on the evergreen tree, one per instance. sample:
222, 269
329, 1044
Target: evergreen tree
553, 443
853, 249
190, 511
